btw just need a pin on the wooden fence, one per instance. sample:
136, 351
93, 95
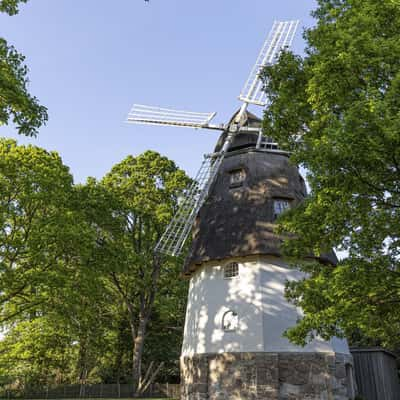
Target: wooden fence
376, 374
99, 391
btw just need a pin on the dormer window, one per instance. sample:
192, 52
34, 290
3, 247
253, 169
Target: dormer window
280, 205
231, 270
236, 177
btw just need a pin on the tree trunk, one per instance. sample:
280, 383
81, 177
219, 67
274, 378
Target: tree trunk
146, 305
138, 345
118, 359
82, 358
138, 334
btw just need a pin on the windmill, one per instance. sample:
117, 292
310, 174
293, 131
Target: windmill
233, 344
173, 239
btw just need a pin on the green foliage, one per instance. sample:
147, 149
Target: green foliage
50, 294
80, 286
164, 341
16, 104
81, 290
146, 190
10, 6
147, 185
36, 351
338, 110
40, 231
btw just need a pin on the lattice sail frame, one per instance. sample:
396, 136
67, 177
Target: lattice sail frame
150, 115
174, 237
280, 37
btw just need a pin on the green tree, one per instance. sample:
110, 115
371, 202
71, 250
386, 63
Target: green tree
36, 353
165, 331
146, 189
49, 281
337, 109
42, 233
11, 6
16, 104
81, 289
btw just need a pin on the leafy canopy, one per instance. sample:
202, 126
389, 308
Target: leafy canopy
144, 192
83, 297
10, 6
43, 234
337, 110
17, 105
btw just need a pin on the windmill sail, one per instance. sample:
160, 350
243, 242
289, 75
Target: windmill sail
280, 37
174, 237
141, 114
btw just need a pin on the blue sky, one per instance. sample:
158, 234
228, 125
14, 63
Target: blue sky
90, 60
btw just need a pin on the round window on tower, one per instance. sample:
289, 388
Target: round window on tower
231, 270
230, 321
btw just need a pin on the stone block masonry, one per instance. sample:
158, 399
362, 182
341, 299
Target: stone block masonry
271, 376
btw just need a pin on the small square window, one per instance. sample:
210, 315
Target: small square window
231, 270
280, 205
237, 177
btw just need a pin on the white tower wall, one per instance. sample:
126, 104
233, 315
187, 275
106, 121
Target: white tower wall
257, 296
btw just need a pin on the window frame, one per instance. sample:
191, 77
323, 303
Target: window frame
288, 201
223, 325
237, 183
235, 266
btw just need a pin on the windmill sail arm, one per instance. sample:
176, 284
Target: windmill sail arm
280, 37
177, 231
175, 123
150, 115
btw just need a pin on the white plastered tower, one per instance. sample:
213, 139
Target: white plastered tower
233, 345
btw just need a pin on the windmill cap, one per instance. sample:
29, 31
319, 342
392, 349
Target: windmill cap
243, 139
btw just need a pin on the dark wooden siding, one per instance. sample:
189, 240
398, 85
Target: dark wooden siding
376, 374
238, 220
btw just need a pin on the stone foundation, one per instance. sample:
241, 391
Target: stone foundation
272, 376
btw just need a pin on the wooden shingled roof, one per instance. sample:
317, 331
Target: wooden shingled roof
237, 220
